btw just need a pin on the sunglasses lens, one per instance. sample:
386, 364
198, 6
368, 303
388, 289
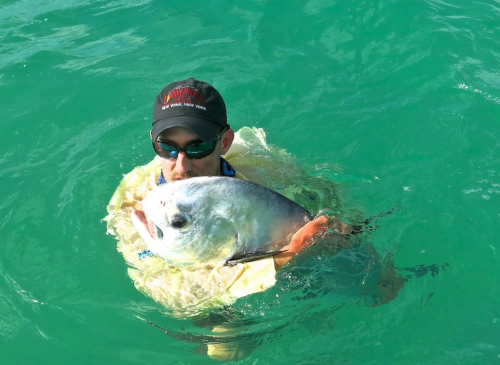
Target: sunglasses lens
194, 151
200, 150
165, 150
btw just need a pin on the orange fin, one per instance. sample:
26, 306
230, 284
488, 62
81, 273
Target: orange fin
308, 234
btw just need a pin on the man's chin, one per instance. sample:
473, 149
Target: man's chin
182, 177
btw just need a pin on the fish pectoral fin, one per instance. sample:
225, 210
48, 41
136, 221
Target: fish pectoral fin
308, 234
250, 256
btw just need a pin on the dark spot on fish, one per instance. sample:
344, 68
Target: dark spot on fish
159, 233
178, 221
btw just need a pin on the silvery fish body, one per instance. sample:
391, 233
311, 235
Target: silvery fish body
206, 221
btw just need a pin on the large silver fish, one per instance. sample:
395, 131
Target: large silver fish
208, 221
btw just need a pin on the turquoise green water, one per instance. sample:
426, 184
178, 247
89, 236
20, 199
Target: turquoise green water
397, 102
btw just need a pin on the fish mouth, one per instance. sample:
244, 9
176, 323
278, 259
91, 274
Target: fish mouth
155, 231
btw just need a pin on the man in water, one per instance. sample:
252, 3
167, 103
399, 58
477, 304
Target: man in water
190, 133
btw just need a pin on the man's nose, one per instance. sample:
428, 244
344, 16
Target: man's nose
182, 163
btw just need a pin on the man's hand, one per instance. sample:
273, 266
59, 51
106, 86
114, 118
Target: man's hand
303, 238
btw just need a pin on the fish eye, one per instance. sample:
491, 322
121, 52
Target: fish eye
178, 221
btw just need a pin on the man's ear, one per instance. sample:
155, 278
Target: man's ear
227, 140
151, 134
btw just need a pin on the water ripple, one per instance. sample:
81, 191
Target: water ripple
22, 12
120, 5
31, 44
93, 52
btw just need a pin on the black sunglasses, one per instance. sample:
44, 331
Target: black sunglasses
193, 151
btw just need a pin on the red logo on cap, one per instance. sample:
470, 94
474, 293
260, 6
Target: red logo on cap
184, 95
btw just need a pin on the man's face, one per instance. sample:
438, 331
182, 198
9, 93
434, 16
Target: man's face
183, 167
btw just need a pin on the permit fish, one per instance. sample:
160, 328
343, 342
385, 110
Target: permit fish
203, 222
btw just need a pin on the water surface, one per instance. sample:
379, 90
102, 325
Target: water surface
396, 102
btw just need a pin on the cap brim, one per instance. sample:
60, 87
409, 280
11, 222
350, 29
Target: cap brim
206, 130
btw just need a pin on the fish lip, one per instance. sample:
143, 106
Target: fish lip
151, 228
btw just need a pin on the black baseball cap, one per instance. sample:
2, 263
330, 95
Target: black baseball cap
191, 104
